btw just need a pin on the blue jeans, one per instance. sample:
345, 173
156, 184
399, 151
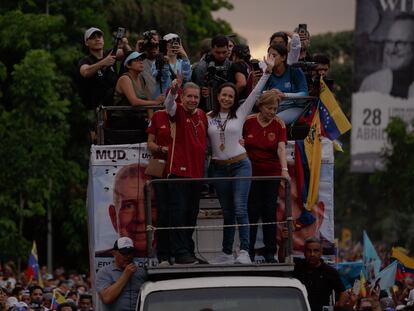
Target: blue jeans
233, 197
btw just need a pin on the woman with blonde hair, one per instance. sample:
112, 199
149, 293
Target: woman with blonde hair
265, 139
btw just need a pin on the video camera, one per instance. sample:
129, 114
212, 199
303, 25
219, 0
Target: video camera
214, 74
312, 78
120, 33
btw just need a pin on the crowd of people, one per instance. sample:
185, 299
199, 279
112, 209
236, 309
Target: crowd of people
224, 116
61, 290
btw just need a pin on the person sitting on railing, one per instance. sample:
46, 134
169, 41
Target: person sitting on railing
264, 137
229, 159
288, 82
131, 88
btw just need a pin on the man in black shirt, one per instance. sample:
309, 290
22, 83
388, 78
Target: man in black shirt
97, 73
318, 277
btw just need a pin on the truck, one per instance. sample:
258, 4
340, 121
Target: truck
201, 287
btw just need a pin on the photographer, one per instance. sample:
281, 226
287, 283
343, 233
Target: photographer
240, 69
150, 45
178, 63
319, 68
212, 71
97, 75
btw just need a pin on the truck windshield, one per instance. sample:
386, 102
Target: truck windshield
227, 299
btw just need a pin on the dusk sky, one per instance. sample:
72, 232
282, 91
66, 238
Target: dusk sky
257, 20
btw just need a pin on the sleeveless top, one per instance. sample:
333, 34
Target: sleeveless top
121, 100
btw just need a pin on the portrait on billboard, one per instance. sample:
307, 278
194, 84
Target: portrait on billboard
383, 79
396, 76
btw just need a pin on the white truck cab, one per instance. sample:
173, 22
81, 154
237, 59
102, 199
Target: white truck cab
222, 288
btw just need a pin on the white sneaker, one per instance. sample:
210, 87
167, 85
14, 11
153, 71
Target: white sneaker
243, 258
223, 259
164, 263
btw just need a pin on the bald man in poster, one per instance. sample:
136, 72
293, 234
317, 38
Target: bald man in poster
127, 213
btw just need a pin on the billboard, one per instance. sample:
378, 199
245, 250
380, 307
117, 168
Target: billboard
383, 77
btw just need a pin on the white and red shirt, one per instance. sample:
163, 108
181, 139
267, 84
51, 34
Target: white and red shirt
261, 144
187, 155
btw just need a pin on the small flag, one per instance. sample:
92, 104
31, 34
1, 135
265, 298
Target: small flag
387, 275
33, 271
349, 271
371, 259
57, 299
333, 120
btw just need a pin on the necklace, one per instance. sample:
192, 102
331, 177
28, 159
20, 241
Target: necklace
222, 127
195, 124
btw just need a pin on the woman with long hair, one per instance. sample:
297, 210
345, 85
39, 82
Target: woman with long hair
229, 159
288, 82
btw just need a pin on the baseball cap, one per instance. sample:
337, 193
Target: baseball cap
124, 245
170, 36
12, 301
90, 31
135, 55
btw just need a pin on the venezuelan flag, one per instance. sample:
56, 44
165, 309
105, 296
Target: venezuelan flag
405, 266
57, 299
308, 155
33, 271
333, 120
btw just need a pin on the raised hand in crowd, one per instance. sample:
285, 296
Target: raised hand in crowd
176, 84
270, 62
180, 51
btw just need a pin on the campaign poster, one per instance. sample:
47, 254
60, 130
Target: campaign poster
383, 86
323, 211
116, 204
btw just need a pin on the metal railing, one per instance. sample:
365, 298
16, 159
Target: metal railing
150, 228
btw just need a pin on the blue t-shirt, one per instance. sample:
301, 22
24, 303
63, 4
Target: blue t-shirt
293, 83
127, 299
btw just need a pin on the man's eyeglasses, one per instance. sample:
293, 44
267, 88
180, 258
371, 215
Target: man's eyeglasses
398, 43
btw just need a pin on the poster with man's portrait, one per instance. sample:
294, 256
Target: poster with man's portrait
383, 77
116, 202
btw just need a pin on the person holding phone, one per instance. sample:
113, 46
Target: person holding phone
177, 63
304, 35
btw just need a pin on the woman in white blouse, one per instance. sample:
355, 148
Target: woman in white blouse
229, 159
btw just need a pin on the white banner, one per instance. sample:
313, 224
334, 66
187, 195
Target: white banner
371, 113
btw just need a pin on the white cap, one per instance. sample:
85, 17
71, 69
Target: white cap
12, 301
170, 36
90, 31
123, 243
